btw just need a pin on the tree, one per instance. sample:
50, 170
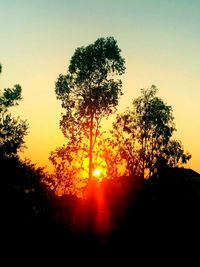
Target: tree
174, 154
12, 130
89, 92
145, 133
126, 145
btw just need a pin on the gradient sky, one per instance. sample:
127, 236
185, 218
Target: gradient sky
160, 41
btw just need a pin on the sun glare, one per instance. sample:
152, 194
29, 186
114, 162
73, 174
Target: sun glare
96, 172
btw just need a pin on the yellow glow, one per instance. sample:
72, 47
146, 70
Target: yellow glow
96, 172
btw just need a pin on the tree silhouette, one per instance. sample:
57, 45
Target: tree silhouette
88, 92
144, 134
12, 130
25, 204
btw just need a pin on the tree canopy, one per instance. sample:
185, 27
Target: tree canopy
88, 92
12, 130
144, 135
141, 140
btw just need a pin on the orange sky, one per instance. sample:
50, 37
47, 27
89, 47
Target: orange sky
159, 41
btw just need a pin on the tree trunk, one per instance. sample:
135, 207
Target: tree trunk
143, 156
91, 148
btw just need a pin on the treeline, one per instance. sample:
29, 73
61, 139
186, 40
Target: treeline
140, 193
141, 140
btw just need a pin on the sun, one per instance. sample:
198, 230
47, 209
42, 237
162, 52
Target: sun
96, 172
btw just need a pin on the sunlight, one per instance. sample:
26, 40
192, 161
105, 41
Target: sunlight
96, 172
99, 172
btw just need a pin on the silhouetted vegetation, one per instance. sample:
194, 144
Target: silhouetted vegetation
121, 215
12, 130
143, 136
88, 93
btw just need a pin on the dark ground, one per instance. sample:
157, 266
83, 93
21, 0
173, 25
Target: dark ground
153, 222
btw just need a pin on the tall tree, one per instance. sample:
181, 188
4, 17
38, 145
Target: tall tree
145, 133
89, 91
12, 130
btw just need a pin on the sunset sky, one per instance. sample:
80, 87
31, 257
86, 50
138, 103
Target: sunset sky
159, 39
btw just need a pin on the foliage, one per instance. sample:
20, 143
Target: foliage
69, 170
22, 180
88, 92
174, 154
144, 135
71, 166
12, 130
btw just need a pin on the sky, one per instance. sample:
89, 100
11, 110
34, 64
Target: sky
159, 40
